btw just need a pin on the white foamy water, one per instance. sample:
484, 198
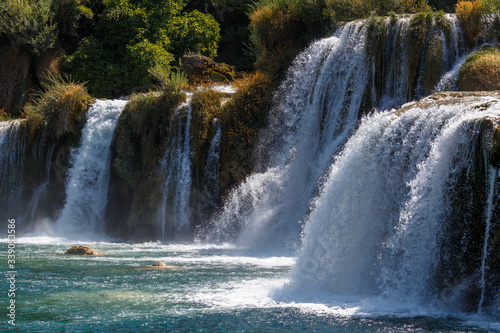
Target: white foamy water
88, 179
175, 212
376, 226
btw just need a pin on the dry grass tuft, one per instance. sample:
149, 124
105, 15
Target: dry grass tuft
62, 104
469, 14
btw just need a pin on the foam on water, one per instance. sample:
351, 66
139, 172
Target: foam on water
376, 226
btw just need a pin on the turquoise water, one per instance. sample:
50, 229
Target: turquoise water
217, 288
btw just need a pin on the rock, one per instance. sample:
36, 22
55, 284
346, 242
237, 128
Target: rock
82, 250
495, 149
201, 69
160, 264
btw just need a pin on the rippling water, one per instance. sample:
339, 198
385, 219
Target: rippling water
218, 288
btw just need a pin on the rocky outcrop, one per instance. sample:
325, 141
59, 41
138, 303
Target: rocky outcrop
82, 250
201, 69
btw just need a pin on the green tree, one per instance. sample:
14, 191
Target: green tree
132, 37
28, 24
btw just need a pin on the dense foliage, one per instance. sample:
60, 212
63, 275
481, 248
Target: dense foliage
133, 37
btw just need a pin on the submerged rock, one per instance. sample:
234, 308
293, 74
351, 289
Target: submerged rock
159, 264
162, 265
82, 250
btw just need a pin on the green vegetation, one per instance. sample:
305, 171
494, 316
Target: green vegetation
141, 126
282, 28
347, 10
28, 24
469, 14
241, 118
481, 71
132, 38
123, 46
433, 65
61, 105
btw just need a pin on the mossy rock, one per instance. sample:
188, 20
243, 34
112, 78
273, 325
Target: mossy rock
201, 69
495, 149
481, 71
433, 66
82, 250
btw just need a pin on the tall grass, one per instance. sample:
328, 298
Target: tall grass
61, 103
168, 79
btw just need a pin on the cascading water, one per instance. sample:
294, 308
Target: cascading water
491, 177
40, 190
265, 208
316, 109
377, 225
88, 179
12, 153
212, 166
174, 217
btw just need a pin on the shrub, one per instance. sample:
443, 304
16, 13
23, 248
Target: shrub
480, 71
93, 63
62, 104
469, 15
169, 80
491, 6
67, 15
28, 24
282, 28
346, 10
134, 37
196, 32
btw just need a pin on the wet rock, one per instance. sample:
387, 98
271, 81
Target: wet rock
495, 149
82, 250
161, 264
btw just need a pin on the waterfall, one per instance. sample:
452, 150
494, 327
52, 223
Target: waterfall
212, 166
316, 108
314, 117
88, 179
492, 176
33, 205
174, 217
12, 154
377, 225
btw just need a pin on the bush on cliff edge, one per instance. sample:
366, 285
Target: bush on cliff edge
480, 71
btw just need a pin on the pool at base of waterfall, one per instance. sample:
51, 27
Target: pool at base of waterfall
210, 288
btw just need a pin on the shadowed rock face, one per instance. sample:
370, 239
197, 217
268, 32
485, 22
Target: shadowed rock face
82, 250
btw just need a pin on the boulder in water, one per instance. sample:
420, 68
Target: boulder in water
82, 250
161, 264
495, 149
